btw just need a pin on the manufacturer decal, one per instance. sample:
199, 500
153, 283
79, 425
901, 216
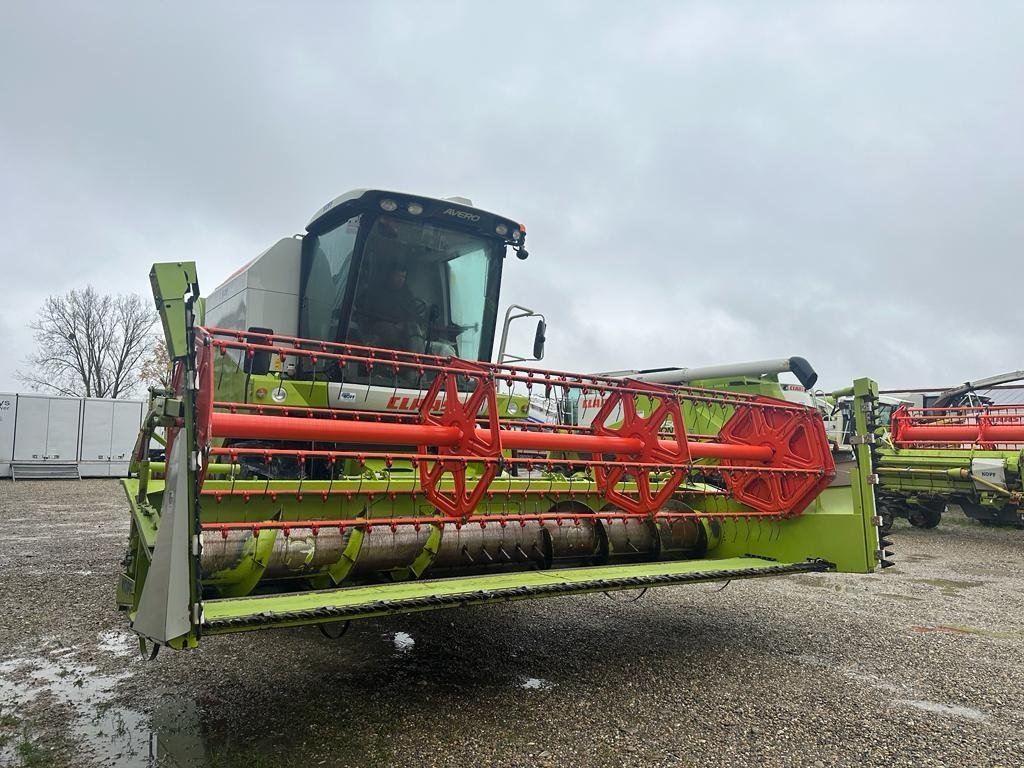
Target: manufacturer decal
465, 215
400, 403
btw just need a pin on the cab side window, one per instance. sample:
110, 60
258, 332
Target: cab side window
327, 281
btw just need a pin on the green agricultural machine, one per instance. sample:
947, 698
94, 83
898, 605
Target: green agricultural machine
970, 456
338, 446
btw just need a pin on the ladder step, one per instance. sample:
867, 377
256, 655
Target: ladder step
45, 470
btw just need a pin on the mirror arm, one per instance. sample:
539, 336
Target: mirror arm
514, 312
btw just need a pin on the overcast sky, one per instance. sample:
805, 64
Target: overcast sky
701, 182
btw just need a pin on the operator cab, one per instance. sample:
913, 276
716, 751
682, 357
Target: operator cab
397, 271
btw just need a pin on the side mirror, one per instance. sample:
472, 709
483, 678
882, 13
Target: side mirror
538, 340
518, 312
259, 363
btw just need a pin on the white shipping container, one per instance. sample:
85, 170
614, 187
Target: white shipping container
47, 428
8, 411
96, 417
109, 431
93, 434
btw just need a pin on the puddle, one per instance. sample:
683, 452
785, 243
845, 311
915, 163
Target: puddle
876, 682
873, 680
112, 733
115, 736
821, 582
856, 675
404, 642
959, 629
174, 735
949, 584
952, 710
904, 598
118, 643
535, 684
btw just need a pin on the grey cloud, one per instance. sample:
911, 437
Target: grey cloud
701, 182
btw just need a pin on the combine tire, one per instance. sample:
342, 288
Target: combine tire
887, 521
925, 517
886, 517
990, 516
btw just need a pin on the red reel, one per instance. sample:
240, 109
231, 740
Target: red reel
461, 410
798, 441
671, 455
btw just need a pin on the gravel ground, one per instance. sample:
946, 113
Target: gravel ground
920, 665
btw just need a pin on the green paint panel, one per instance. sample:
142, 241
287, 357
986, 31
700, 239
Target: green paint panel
171, 281
933, 473
832, 529
378, 600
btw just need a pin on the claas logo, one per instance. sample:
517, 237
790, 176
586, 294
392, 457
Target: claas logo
411, 403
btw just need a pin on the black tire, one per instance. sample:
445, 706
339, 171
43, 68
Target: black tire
887, 521
885, 516
989, 516
925, 517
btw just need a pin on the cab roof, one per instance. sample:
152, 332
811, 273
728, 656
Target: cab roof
354, 195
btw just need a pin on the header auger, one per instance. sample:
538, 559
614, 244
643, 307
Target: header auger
311, 481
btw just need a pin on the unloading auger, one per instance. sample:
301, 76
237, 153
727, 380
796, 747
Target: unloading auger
326, 479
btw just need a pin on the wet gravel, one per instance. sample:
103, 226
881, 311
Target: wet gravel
919, 665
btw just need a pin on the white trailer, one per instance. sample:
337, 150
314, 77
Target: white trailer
8, 402
46, 432
109, 430
66, 437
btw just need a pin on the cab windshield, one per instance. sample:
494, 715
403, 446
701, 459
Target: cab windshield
403, 284
883, 414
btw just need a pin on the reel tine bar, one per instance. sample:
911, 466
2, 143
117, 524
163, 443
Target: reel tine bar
771, 455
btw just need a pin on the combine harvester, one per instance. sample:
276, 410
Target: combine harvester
339, 447
953, 447
970, 456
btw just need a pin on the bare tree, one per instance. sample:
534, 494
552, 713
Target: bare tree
156, 368
89, 344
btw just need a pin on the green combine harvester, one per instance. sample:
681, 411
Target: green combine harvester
970, 456
338, 446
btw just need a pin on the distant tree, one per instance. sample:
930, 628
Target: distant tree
89, 344
156, 366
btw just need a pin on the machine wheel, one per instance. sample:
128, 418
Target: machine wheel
925, 517
886, 517
990, 516
887, 521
